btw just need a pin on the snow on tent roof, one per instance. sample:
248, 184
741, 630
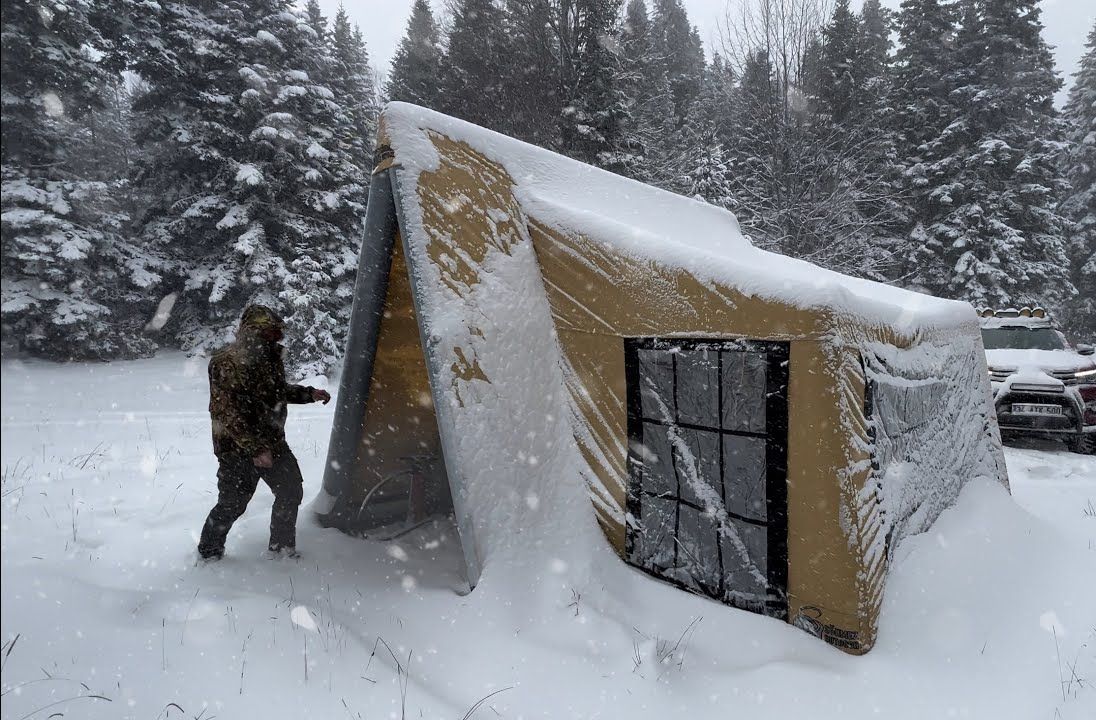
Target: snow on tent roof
647, 222
599, 376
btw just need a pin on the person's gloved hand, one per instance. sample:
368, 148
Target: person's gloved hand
320, 396
265, 459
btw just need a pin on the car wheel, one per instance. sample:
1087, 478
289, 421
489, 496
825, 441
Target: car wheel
1084, 444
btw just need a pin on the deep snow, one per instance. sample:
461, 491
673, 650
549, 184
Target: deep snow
107, 476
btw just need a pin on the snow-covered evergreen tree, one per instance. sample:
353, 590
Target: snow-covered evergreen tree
647, 113
991, 233
711, 177
99, 146
319, 288
259, 196
660, 72
853, 150
708, 128
594, 112
676, 44
416, 69
316, 19
756, 155
472, 87
71, 278
354, 84
923, 108
530, 72
840, 87
876, 23
1080, 201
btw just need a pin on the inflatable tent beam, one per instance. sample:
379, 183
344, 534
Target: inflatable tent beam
344, 452
370, 286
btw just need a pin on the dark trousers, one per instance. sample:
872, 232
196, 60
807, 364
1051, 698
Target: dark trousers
237, 478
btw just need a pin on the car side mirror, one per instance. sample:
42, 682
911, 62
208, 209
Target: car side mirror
1083, 349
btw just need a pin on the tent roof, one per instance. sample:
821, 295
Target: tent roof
648, 223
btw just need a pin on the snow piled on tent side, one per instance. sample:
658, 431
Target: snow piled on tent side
501, 406
932, 429
647, 222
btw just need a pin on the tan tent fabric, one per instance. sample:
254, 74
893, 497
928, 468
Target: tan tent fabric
399, 390
463, 209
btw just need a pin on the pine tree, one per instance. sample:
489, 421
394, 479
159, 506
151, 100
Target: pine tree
354, 85
638, 135
319, 287
756, 154
925, 64
840, 87
926, 74
188, 134
316, 20
993, 235
677, 46
1080, 200
259, 195
874, 45
854, 194
530, 72
71, 278
593, 116
100, 145
883, 202
472, 86
650, 148
707, 130
416, 68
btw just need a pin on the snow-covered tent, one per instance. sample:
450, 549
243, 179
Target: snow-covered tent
549, 349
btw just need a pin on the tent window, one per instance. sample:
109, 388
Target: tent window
898, 409
707, 459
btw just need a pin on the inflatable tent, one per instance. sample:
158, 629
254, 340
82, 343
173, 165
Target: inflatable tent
528, 330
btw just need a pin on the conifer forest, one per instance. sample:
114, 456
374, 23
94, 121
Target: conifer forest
166, 163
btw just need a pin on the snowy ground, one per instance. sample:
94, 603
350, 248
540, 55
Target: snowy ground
108, 474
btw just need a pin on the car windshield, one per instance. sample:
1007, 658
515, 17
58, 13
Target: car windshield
1022, 338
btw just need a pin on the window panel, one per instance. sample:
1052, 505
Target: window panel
702, 468
656, 385
744, 476
698, 550
655, 456
654, 546
742, 572
698, 387
744, 396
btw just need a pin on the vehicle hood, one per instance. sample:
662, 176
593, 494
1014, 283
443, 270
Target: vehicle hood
1047, 360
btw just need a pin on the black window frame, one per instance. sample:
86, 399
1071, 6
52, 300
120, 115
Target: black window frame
777, 356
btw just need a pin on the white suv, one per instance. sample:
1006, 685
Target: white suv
1041, 386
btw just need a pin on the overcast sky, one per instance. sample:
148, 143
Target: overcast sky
383, 22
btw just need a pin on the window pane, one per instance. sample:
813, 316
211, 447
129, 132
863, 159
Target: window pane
744, 476
656, 385
744, 375
655, 458
698, 388
699, 474
698, 550
745, 574
653, 546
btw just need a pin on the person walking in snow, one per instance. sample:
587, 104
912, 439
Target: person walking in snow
248, 395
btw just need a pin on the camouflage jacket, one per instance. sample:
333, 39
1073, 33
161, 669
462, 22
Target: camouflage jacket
248, 395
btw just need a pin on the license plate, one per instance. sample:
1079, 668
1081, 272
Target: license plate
1033, 409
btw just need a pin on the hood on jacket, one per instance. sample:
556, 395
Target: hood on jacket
257, 318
